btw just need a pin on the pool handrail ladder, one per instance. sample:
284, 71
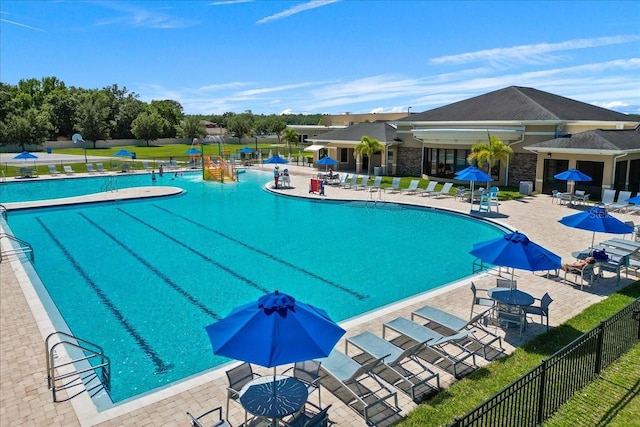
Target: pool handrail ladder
22, 248
73, 363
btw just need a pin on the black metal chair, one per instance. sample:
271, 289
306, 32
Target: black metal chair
238, 377
542, 309
308, 372
485, 302
314, 417
219, 421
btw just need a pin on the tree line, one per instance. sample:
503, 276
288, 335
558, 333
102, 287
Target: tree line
34, 111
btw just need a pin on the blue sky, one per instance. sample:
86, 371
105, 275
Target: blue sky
327, 56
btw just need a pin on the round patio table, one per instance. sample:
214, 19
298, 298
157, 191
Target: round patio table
273, 396
510, 296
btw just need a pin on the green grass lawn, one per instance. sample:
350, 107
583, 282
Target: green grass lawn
474, 389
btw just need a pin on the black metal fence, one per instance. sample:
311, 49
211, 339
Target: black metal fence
536, 395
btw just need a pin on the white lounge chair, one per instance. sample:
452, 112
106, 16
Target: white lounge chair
351, 182
363, 183
53, 170
100, 168
90, 168
375, 185
67, 169
608, 196
396, 359
411, 189
352, 376
395, 185
431, 186
444, 191
436, 342
449, 324
622, 203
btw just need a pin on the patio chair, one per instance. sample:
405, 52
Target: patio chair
411, 189
238, 377
356, 379
145, 164
542, 309
582, 197
395, 185
483, 302
444, 191
100, 168
462, 194
431, 187
399, 361
314, 417
507, 283
218, 421
90, 168
67, 169
449, 324
441, 346
343, 180
586, 273
53, 170
308, 372
363, 183
621, 204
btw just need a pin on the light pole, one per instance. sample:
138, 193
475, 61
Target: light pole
409, 111
78, 138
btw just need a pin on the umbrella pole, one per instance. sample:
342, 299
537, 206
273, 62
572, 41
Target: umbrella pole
471, 196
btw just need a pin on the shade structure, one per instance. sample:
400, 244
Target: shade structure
193, 152
515, 250
327, 161
596, 219
571, 176
276, 160
123, 153
274, 330
245, 150
473, 174
25, 155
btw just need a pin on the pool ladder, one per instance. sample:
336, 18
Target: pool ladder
111, 185
374, 196
84, 366
22, 248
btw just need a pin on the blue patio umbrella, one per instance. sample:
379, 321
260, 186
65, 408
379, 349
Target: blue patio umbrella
276, 160
635, 200
26, 155
515, 250
473, 174
596, 219
193, 152
245, 150
327, 161
274, 330
123, 153
571, 176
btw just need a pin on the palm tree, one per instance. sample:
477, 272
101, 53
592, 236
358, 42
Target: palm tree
367, 147
487, 153
290, 136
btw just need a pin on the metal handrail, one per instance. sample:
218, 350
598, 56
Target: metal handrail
25, 247
90, 351
3, 211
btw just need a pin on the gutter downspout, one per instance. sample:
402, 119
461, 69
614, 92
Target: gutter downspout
506, 171
613, 170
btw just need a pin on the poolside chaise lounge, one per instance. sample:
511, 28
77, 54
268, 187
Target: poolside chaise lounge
448, 324
411, 189
402, 362
351, 182
90, 168
67, 169
395, 185
363, 183
100, 168
442, 346
431, 186
375, 185
444, 191
53, 170
357, 379
622, 203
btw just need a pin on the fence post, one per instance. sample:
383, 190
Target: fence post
599, 348
542, 390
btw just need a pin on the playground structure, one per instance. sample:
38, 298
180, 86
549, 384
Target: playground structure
218, 170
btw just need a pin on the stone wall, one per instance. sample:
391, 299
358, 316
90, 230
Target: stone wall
522, 167
408, 161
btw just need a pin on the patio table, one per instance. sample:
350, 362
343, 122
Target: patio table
273, 396
513, 303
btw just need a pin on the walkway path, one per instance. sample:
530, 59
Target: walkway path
25, 400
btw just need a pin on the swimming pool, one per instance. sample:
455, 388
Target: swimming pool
143, 278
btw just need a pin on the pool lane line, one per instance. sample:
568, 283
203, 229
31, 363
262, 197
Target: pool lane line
161, 366
193, 300
200, 254
268, 255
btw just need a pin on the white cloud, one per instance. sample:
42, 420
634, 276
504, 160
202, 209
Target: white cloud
296, 9
532, 54
21, 25
143, 18
226, 2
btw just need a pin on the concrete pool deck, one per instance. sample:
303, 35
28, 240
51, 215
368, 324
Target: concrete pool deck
25, 399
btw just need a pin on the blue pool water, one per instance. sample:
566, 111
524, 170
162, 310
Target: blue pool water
143, 278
